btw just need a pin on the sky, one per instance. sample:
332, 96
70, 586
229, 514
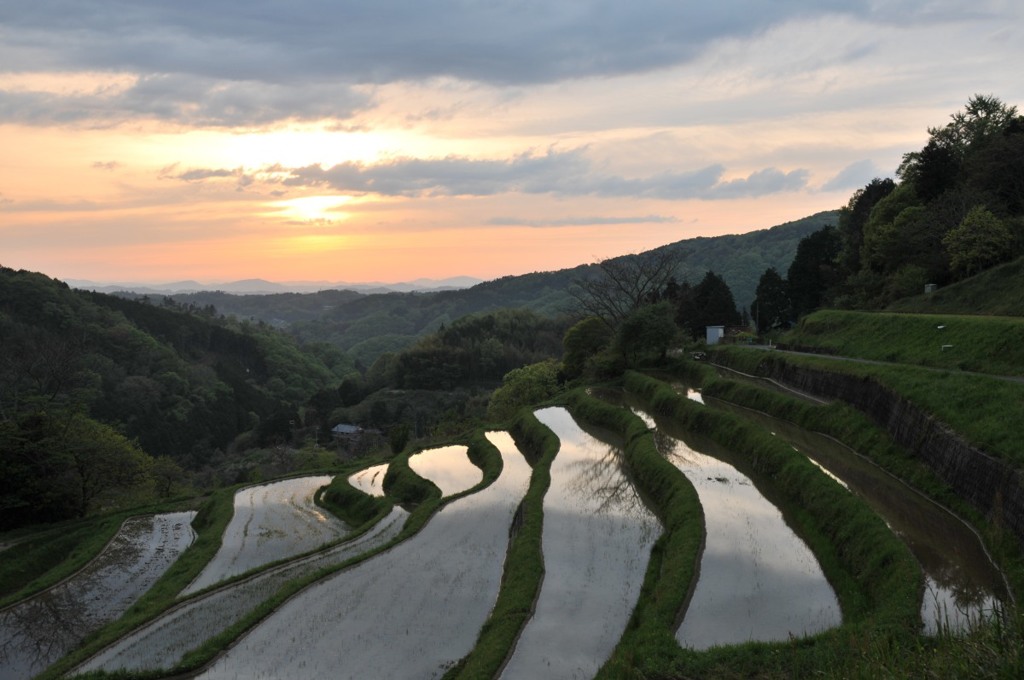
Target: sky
390, 140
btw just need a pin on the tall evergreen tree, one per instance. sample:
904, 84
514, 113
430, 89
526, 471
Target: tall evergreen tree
713, 304
813, 270
771, 307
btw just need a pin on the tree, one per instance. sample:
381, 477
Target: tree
813, 270
398, 437
854, 216
712, 305
981, 240
523, 387
646, 332
583, 341
623, 284
771, 307
165, 473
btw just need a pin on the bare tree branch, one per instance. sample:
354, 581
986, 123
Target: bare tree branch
623, 284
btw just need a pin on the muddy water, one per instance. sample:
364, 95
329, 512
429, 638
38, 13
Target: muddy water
758, 580
39, 631
961, 581
596, 544
448, 467
371, 480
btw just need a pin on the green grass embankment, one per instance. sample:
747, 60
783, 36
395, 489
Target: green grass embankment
42, 559
524, 562
649, 640
846, 425
875, 577
351, 505
986, 344
996, 291
991, 649
412, 489
979, 408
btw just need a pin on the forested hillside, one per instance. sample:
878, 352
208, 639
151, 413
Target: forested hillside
956, 212
93, 388
367, 326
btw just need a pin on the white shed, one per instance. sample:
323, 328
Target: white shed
714, 334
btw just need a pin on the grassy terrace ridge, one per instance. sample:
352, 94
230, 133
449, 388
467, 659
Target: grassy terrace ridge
210, 524
524, 562
996, 291
992, 649
875, 577
977, 407
983, 344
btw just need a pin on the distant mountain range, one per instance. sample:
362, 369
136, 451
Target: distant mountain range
264, 287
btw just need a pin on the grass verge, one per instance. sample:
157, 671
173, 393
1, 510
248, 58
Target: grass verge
524, 561
875, 577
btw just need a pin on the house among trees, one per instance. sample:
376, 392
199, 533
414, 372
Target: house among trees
356, 440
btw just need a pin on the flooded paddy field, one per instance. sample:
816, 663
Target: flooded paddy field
163, 642
758, 580
271, 522
371, 480
449, 467
37, 632
596, 543
409, 612
961, 581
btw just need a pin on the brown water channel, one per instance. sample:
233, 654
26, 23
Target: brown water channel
961, 582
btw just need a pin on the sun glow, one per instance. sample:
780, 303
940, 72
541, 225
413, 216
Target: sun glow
312, 208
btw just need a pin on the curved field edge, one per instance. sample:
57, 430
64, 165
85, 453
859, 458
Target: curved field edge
41, 560
524, 562
991, 407
875, 577
427, 502
210, 525
649, 639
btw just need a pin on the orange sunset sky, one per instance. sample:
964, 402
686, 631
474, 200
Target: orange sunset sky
393, 140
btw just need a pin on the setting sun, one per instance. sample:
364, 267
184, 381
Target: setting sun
323, 209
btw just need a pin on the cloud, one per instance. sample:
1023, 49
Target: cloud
387, 40
106, 165
580, 221
240, 62
185, 100
854, 176
556, 173
204, 174
760, 183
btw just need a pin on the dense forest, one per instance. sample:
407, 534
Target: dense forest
100, 395
957, 210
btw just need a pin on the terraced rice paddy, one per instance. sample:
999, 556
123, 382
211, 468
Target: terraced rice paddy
448, 467
163, 642
271, 522
758, 581
961, 582
42, 629
370, 481
409, 612
597, 540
